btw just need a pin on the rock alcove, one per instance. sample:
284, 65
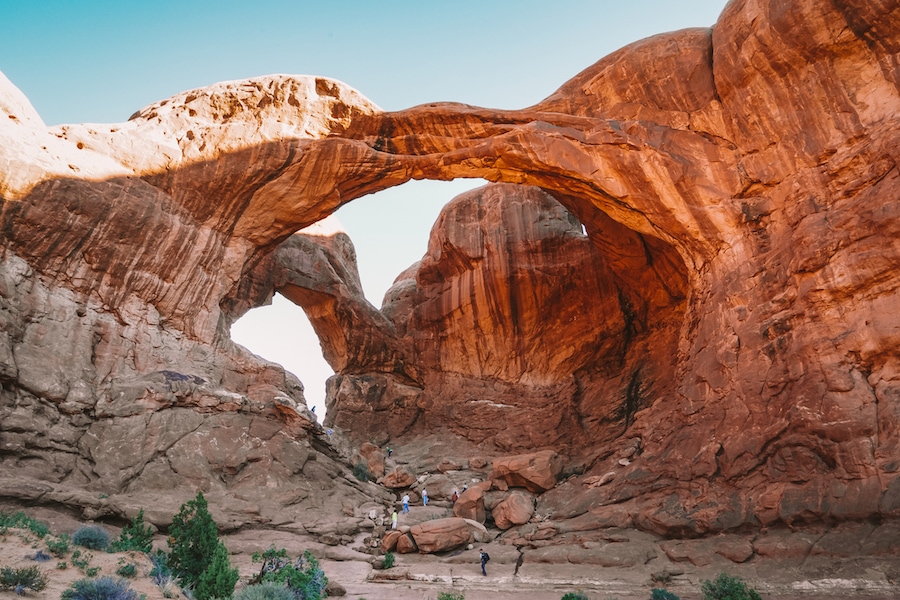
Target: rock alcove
737, 186
519, 328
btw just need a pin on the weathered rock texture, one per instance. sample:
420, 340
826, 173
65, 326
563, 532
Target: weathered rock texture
723, 338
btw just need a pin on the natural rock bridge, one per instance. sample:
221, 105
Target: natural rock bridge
729, 309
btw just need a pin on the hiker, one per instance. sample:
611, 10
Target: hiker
394, 520
405, 503
390, 451
485, 557
455, 496
424, 498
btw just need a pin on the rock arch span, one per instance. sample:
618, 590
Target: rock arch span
761, 152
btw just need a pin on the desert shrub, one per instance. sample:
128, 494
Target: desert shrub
265, 591
451, 596
662, 594
192, 541
81, 560
218, 580
160, 570
579, 595
91, 536
103, 588
361, 471
726, 587
127, 570
58, 546
40, 556
25, 578
303, 576
22, 521
388, 561
135, 536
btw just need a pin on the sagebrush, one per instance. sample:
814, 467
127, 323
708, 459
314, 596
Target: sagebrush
91, 536
265, 591
102, 588
24, 578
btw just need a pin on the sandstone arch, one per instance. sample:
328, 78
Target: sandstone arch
762, 152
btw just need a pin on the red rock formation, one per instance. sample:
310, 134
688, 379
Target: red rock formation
737, 188
441, 534
536, 472
470, 504
516, 509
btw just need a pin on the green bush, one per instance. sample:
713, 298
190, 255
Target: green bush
579, 595
91, 536
22, 521
30, 578
104, 588
265, 591
361, 471
127, 570
58, 546
388, 561
192, 541
726, 587
218, 580
135, 536
81, 560
451, 596
303, 576
662, 594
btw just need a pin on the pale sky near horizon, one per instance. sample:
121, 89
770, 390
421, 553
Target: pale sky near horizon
101, 60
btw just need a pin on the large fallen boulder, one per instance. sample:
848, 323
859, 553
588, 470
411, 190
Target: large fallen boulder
515, 510
399, 478
470, 504
442, 534
536, 472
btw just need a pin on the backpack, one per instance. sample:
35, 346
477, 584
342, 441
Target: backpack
487, 557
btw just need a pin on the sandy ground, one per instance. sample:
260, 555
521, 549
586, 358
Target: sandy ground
423, 577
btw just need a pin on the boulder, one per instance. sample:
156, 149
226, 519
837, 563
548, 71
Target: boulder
470, 504
399, 478
537, 472
390, 539
374, 458
442, 534
515, 510
406, 543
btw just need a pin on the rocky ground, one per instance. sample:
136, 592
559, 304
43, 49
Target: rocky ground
812, 561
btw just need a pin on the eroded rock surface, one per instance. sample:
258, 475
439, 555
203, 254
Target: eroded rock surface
721, 335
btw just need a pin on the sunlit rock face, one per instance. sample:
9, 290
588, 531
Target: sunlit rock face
736, 275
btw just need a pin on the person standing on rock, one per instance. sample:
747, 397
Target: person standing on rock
485, 557
394, 520
424, 498
405, 503
455, 496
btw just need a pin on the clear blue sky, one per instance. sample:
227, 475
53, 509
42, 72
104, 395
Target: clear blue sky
100, 61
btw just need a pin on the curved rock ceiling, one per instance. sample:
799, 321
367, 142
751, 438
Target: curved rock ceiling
738, 189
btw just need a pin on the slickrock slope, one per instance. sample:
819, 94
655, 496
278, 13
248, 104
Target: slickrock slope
734, 360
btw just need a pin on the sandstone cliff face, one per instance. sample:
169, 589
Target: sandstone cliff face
737, 284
